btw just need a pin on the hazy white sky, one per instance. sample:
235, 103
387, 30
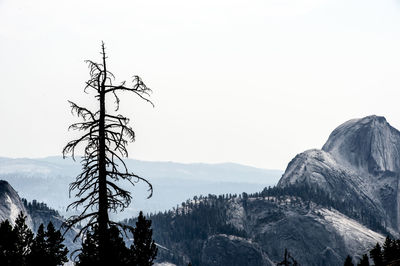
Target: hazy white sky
247, 81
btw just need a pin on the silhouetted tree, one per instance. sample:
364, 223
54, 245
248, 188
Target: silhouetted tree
8, 249
105, 138
18, 247
364, 261
56, 251
397, 244
389, 250
141, 253
117, 252
39, 252
89, 253
24, 239
348, 261
376, 255
143, 249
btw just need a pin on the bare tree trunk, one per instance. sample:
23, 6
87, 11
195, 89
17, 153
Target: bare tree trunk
103, 204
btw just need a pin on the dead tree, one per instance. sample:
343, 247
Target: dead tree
105, 137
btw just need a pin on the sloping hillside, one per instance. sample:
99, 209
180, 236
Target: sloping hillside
329, 203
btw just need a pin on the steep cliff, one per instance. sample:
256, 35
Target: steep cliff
339, 200
359, 163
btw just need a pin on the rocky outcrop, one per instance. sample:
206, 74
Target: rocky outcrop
357, 170
310, 233
11, 204
369, 144
232, 250
359, 163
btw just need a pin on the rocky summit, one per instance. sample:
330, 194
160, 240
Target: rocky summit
368, 145
330, 202
359, 163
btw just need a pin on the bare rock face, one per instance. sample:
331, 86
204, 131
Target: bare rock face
232, 250
312, 234
358, 170
369, 144
359, 163
10, 203
317, 168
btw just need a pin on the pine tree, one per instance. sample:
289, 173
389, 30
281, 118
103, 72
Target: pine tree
38, 252
364, 261
389, 250
118, 253
56, 251
47, 248
348, 261
18, 247
24, 239
118, 249
8, 248
143, 249
376, 255
90, 251
397, 248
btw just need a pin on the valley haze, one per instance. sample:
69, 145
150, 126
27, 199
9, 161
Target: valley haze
47, 179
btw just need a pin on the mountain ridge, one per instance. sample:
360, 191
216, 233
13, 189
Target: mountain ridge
329, 203
48, 180
360, 162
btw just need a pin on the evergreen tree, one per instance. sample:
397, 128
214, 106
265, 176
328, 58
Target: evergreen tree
348, 261
118, 249
18, 247
397, 247
389, 250
38, 252
89, 252
8, 248
118, 253
47, 248
364, 261
24, 239
143, 249
376, 255
56, 251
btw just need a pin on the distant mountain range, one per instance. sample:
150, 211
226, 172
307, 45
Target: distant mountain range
48, 179
330, 203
